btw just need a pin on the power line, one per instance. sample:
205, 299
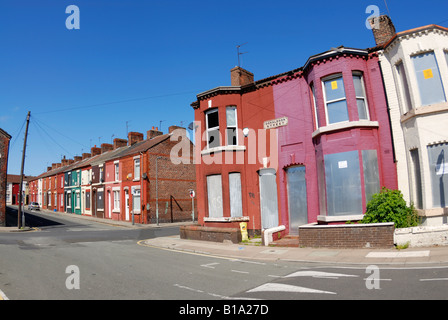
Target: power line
114, 102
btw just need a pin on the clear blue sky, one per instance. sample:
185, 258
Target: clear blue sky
144, 61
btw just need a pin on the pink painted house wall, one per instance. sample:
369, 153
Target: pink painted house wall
302, 143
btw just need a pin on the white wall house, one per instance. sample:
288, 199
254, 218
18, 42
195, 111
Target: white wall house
414, 64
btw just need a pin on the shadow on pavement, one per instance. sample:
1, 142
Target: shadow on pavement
31, 220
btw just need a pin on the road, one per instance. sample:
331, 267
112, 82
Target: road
74, 259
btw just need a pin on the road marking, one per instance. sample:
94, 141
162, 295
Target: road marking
280, 287
237, 271
212, 294
409, 254
188, 288
3, 296
210, 265
435, 279
319, 274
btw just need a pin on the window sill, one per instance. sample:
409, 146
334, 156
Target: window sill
223, 148
345, 126
226, 219
354, 217
424, 110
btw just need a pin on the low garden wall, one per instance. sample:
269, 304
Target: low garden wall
422, 236
373, 235
197, 232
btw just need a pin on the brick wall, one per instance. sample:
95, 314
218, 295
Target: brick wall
173, 184
4, 149
375, 235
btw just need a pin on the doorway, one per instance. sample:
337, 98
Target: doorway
297, 204
268, 198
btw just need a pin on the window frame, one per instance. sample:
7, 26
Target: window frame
433, 75
327, 102
116, 171
235, 127
208, 129
137, 172
364, 98
116, 194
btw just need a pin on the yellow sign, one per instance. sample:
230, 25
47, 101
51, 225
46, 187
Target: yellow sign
334, 85
427, 73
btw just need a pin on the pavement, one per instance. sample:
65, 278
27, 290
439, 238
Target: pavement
253, 250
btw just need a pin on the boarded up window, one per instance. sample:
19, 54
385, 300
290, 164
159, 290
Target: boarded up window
236, 203
428, 78
214, 193
371, 173
438, 166
343, 184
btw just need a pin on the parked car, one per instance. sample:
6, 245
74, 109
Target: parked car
33, 206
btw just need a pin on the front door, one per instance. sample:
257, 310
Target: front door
126, 203
268, 198
297, 205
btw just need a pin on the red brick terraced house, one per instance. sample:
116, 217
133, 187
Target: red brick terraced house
4, 152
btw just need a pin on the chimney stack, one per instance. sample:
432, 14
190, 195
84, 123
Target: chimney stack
77, 158
134, 137
241, 77
106, 147
85, 156
383, 29
153, 133
64, 162
95, 151
120, 143
172, 128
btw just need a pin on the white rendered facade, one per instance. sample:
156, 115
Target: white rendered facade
415, 71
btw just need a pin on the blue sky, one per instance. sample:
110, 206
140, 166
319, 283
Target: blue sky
144, 61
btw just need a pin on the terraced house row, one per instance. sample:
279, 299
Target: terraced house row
129, 180
313, 144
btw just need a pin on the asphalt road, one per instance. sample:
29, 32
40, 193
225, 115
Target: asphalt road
75, 259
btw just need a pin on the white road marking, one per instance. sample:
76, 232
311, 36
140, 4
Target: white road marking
280, 287
210, 265
409, 254
435, 279
319, 274
238, 271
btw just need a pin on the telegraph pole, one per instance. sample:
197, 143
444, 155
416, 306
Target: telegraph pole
21, 174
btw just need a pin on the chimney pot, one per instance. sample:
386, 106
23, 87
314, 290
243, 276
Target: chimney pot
153, 133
